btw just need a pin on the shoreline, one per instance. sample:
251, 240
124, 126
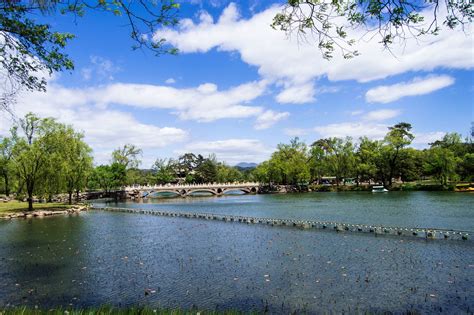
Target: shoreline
41, 213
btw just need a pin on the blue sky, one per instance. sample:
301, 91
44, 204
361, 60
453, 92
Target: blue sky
238, 87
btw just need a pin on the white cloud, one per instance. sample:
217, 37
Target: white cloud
297, 94
269, 118
418, 86
381, 114
104, 129
354, 130
170, 81
100, 68
231, 151
422, 139
280, 59
296, 132
204, 103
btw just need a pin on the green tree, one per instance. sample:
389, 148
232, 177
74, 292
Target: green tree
288, 165
392, 20
228, 174
164, 171
367, 158
35, 153
441, 163
206, 169
77, 163
128, 156
396, 140
6, 154
109, 177
338, 156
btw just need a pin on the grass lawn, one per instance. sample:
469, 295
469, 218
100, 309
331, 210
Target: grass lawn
19, 206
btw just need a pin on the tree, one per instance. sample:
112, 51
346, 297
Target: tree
338, 156
367, 156
392, 20
441, 162
77, 163
31, 49
228, 174
6, 155
164, 171
206, 170
128, 156
288, 165
109, 177
33, 154
396, 140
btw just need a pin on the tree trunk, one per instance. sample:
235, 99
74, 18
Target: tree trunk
70, 197
29, 190
7, 186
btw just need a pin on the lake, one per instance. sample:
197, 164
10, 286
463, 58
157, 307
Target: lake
125, 259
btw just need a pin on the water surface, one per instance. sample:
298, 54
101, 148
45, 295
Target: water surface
128, 259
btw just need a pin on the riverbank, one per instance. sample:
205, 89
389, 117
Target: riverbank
17, 209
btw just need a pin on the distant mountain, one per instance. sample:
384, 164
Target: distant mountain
245, 165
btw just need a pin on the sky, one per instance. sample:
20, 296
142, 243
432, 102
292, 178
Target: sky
238, 88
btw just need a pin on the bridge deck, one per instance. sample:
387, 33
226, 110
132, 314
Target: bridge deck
427, 233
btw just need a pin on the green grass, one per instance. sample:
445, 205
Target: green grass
109, 311
19, 206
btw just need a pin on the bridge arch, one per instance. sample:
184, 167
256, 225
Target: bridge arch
244, 190
157, 192
191, 191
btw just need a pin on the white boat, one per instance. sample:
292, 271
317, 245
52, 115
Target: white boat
379, 189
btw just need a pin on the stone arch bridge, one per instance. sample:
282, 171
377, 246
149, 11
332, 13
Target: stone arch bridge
140, 191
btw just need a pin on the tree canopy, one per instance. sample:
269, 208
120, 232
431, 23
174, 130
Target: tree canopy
327, 22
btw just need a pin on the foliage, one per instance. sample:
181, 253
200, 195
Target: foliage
109, 177
393, 20
370, 161
6, 154
48, 157
128, 156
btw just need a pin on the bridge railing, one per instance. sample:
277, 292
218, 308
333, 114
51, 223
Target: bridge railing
186, 186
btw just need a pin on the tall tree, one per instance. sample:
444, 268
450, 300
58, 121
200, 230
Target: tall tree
77, 162
338, 156
34, 153
128, 156
6, 154
397, 139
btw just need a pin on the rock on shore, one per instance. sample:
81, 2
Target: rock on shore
44, 213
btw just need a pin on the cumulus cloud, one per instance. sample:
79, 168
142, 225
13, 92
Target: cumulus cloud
280, 59
297, 94
104, 129
231, 151
170, 81
296, 132
381, 114
99, 68
204, 103
418, 86
354, 130
269, 118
